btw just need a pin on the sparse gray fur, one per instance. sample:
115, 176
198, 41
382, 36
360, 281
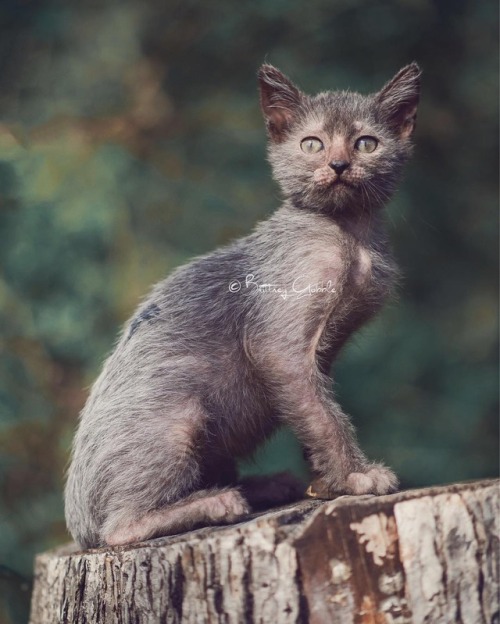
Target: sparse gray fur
240, 341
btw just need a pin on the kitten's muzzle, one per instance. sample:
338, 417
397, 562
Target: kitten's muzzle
339, 166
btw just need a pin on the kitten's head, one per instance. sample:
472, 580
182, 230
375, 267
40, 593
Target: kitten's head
339, 150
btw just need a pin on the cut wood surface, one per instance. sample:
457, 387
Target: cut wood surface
420, 556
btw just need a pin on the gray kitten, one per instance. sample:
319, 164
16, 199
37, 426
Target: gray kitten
241, 341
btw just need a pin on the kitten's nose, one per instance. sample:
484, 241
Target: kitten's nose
339, 166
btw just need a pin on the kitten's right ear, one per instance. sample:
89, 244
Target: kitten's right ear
398, 100
279, 100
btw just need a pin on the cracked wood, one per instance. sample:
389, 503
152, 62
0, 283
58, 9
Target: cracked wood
421, 556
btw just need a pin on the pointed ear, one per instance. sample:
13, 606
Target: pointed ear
398, 100
279, 100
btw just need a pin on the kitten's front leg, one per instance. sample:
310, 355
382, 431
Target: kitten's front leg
339, 465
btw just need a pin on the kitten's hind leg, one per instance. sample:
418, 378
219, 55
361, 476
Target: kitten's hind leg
266, 491
203, 508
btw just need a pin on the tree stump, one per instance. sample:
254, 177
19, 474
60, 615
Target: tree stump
423, 556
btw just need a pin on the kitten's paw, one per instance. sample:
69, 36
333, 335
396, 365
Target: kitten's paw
229, 506
377, 480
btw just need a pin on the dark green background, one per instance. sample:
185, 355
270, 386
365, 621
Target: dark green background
131, 140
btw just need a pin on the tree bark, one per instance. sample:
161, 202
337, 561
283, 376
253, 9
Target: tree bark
423, 556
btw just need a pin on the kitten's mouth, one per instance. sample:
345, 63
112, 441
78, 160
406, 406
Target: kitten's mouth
340, 185
326, 178
341, 181
338, 190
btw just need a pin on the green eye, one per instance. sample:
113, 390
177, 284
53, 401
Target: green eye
311, 145
366, 144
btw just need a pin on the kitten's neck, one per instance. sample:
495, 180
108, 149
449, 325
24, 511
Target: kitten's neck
360, 223
361, 226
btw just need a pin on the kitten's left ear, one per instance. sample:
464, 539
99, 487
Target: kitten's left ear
279, 99
398, 100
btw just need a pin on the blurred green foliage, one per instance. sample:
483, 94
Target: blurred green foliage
131, 139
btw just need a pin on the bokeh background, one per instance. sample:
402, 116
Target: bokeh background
131, 139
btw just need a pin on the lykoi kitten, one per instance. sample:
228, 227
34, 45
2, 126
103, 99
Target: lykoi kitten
239, 342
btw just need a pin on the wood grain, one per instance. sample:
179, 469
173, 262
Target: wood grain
428, 556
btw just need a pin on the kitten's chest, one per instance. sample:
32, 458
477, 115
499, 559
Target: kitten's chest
369, 271
356, 269
363, 284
